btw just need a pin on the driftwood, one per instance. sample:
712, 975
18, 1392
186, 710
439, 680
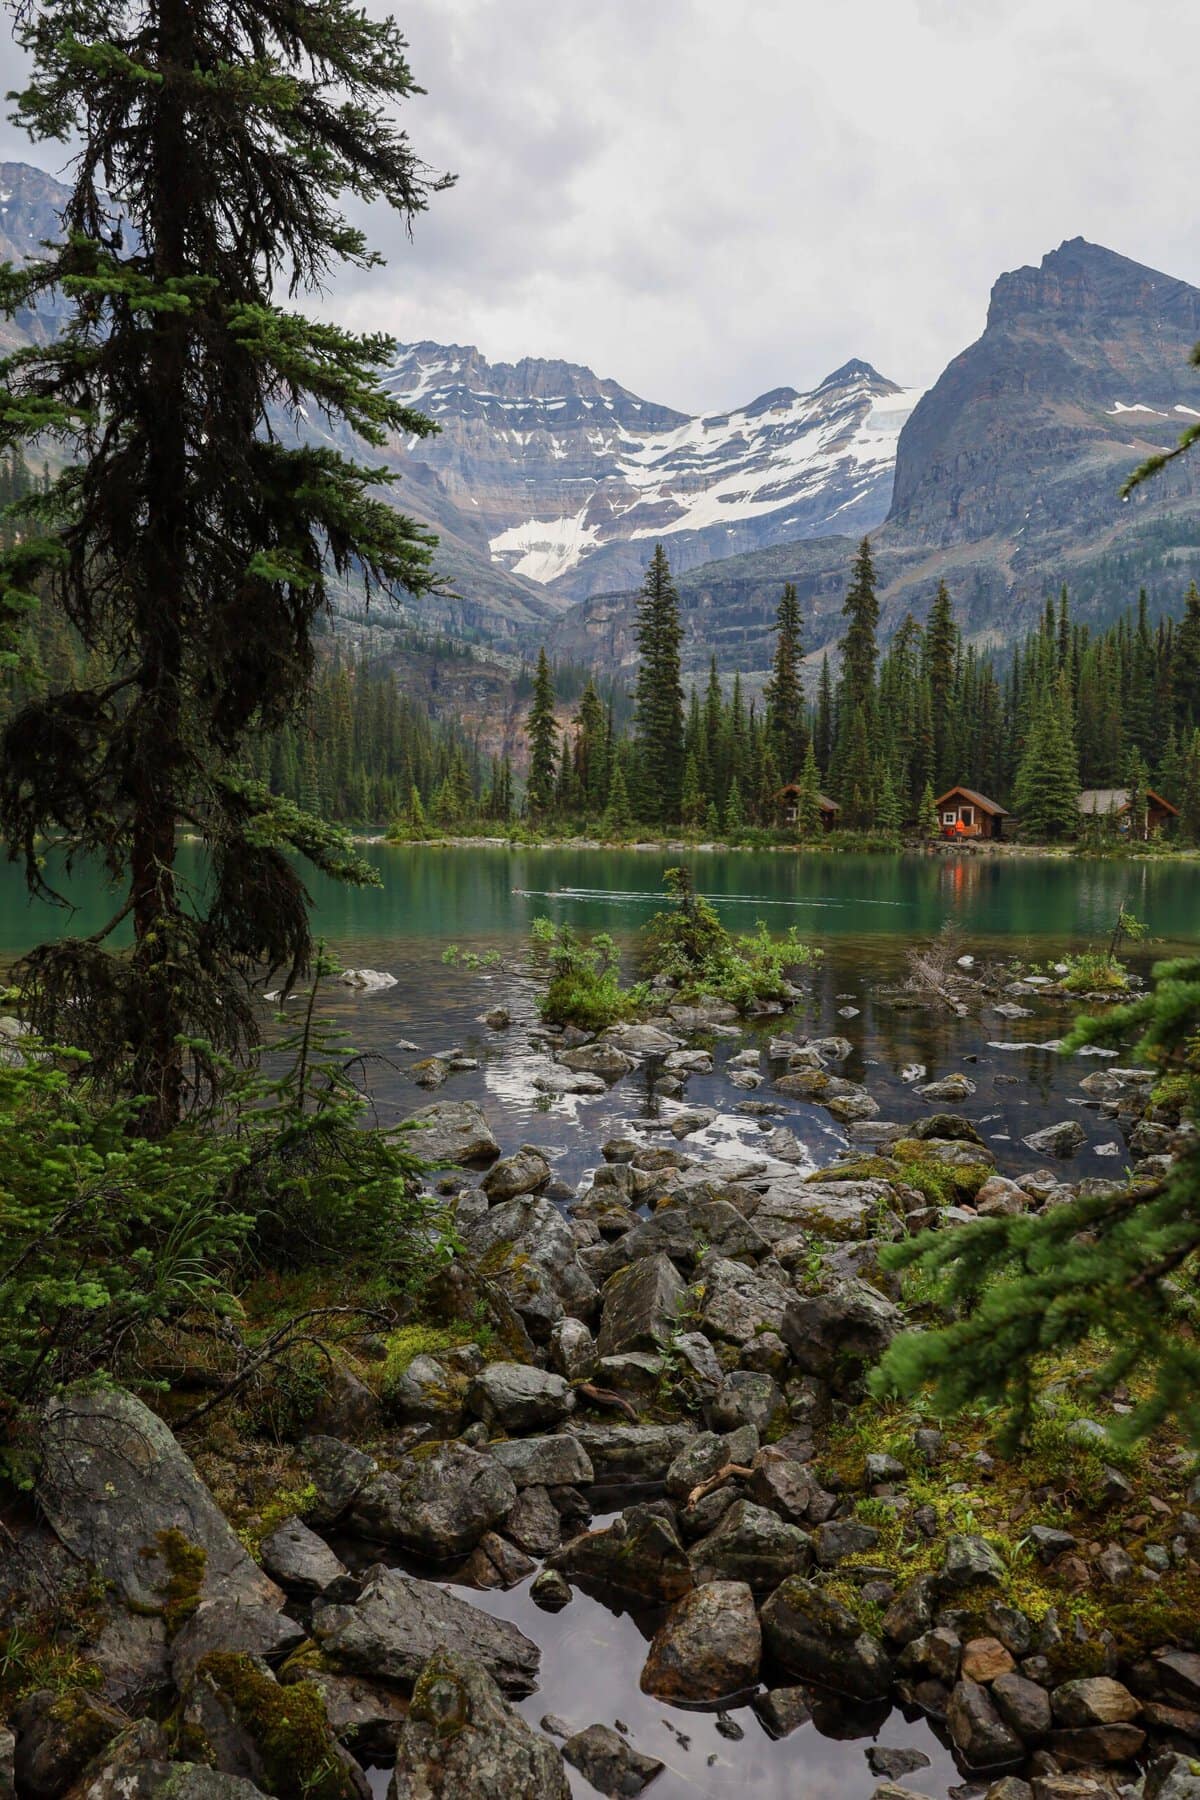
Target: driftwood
731, 1472
605, 1397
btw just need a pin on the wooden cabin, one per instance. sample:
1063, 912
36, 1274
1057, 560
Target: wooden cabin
962, 813
787, 805
1113, 804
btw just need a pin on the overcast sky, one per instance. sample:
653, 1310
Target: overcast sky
705, 199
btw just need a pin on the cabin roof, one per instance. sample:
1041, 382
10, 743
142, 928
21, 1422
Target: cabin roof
1115, 800
981, 800
823, 801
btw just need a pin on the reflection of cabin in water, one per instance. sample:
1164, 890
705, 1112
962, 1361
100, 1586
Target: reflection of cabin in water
1112, 804
787, 803
962, 813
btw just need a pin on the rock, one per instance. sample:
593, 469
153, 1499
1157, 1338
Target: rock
429, 1392
525, 1246
363, 1715
640, 1306
1179, 1672
1009, 1787
57, 1736
984, 1659
977, 1729
969, 1562
8, 1744
911, 1612
157, 1780
696, 1118
640, 1041
1022, 1704
397, 1623
573, 1349
336, 1472
438, 1506
813, 1636
1172, 1777
518, 1397
782, 1484
638, 1554
534, 1524
835, 1335
747, 1397
450, 1131
608, 1762
558, 1080
279, 1738
619, 1453
1096, 1744
738, 1303
1000, 1198
222, 1625
522, 1173
751, 1546
121, 1494
937, 1652
950, 1087
893, 1763
707, 1010
366, 981
1063, 1139
708, 1648
1093, 1700
496, 1563
1049, 1543
558, 1461
550, 1590
430, 1072
1114, 1565
839, 1538
299, 1560
604, 1060
463, 1741
783, 1710
497, 1018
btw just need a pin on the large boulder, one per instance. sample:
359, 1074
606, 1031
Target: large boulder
463, 1741
604, 1060
708, 1648
814, 1637
450, 1131
279, 1738
299, 1560
438, 1505
527, 1249
639, 1041
737, 1303
981, 1736
1061, 1139
519, 1397
751, 1545
837, 1210
522, 1173
839, 1333
222, 1625
631, 1452
336, 1473
1094, 1700
431, 1391
638, 1554
121, 1494
397, 1623
57, 1736
641, 1307
560, 1460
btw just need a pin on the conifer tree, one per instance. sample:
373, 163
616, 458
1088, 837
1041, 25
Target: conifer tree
692, 801
1186, 672
1047, 784
542, 731
189, 543
941, 652
823, 729
618, 814
808, 798
659, 705
784, 691
856, 692
735, 814
1189, 793
928, 823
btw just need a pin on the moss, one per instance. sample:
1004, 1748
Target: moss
186, 1563
862, 1168
411, 1341
288, 1725
942, 1184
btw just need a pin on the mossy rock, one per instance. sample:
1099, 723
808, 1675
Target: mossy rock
942, 1184
287, 1728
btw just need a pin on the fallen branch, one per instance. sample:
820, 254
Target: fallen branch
731, 1472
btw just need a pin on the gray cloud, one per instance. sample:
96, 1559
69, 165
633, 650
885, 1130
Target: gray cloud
705, 199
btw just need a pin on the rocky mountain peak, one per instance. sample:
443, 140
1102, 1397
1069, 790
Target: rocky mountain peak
1081, 283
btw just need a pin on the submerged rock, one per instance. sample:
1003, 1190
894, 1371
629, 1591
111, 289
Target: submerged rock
813, 1636
463, 1741
608, 1762
639, 1553
451, 1131
521, 1173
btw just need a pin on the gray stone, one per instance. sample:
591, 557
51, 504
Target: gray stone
640, 1306
525, 1246
518, 1397
977, 1729
751, 1545
450, 1131
1049, 1543
258, 1631
437, 1506
1093, 1700
638, 1554
522, 1173
534, 1522
696, 1118
430, 1392
496, 1563
336, 1472
56, 1737
397, 1623
573, 1349
970, 1561
1172, 1777
738, 1303
557, 1461
609, 1762
639, 1041
839, 1538
557, 1080
629, 1452
784, 1710
708, 1648
550, 1590
813, 1636
705, 1454
119, 1492
949, 1087
1023, 1704
463, 1741
747, 1397
363, 1715
881, 1760
1062, 1139
835, 1335
604, 1060
783, 1485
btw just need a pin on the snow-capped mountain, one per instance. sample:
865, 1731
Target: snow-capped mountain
572, 478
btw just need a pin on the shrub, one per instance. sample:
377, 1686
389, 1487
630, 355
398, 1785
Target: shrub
692, 948
585, 984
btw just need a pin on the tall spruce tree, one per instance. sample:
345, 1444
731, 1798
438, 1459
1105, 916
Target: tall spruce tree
941, 654
542, 730
856, 692
190, 540
1047, 785
659, 711
784, 691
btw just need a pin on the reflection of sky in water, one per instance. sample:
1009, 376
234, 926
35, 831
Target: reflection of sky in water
591, 1661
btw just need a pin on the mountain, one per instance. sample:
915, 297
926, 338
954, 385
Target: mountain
573, 478
1007, 479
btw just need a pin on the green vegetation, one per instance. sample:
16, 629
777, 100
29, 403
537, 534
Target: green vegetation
584, 985
1114, 1271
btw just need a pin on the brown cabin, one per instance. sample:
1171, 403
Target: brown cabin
1113, 804
962, 813
787, 803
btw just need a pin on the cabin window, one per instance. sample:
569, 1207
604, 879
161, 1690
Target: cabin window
949, 818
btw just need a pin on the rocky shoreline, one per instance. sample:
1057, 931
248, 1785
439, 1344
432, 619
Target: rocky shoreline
676, 1351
